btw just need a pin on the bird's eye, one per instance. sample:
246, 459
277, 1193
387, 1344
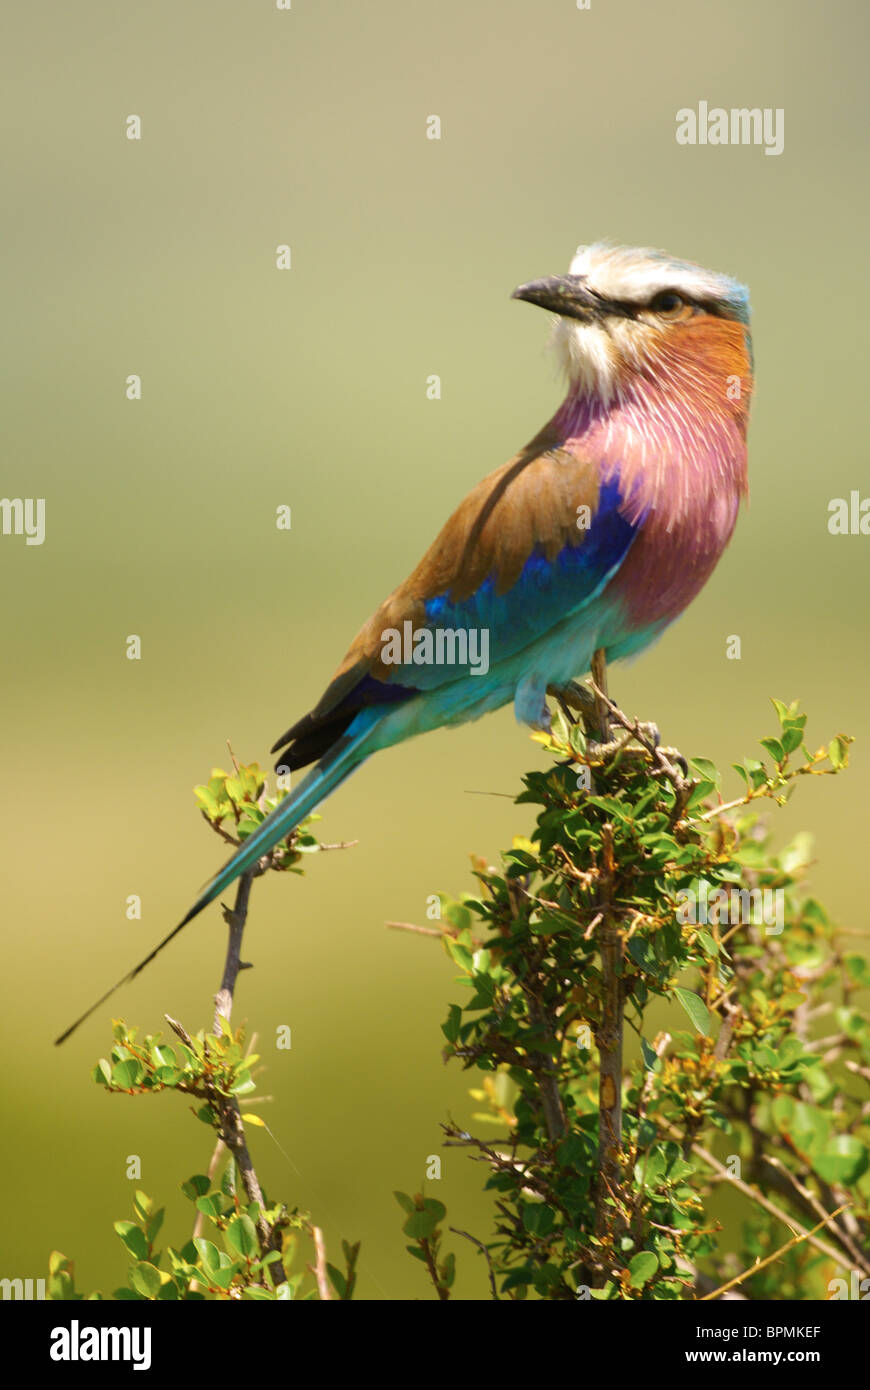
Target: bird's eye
668, 304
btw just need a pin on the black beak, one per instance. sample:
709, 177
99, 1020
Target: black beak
569, 296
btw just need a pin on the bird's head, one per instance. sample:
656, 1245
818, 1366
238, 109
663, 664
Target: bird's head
627, 315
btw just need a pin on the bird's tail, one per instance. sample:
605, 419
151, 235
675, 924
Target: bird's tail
343, 758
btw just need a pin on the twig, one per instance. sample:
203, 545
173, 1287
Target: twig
232, 1132
442, 1291
199, 1223
409, 926
681, 785
815, 1206
760, 1264
232, 1124
609, 1040
232, 1129
320, 1264
729, 806
599, 686
547, 1078
235, 920
480, 1245
541, 1065
457, 1138
760, 1199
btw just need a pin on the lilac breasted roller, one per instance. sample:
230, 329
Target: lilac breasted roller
597, 534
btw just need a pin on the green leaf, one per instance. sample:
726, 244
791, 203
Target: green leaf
792, 738
571, 1152
642, 953
858, 967
134, 1238
647, 1132
195, 1186
208, 802
708, 945
755, 775
538, 1219
142, 1205
708, 771
807, 1126
208, 1253
241, 1237
460, 954
421, 1224
697, 1011
153, 1225
699, 794
145, 1279
577, 739
210, 1206
642, 1268
458, 915
126, 1074
559, 725
774, 748
244, 1083
844, 1160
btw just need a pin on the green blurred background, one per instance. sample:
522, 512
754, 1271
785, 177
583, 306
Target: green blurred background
308, 388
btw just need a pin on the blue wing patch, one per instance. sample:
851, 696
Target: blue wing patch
546, 592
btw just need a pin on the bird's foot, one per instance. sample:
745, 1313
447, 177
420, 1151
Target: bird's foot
603, 750
573, 697
675, 756
650, 732
578, 700
625, 747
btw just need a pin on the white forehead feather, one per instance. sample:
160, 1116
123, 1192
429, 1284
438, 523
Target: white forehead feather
635, 274
596, 354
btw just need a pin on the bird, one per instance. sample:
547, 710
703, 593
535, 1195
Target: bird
595, 536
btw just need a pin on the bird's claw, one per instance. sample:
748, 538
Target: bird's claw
651, 733
601, 752
675, 756
575, 696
